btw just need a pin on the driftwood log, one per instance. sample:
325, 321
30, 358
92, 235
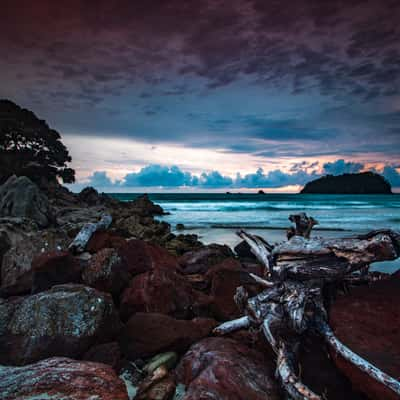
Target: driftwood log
292, 302
78, 245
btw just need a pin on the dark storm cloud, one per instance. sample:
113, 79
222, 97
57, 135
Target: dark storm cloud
158, 71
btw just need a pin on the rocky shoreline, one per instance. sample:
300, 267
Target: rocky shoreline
133, 314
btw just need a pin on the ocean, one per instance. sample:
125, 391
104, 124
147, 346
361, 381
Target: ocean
215, 217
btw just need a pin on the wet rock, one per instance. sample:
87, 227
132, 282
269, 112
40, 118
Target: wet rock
20, 197
141, 256
106, 271
145, 207
16, 269
223, 369
104, 239
225, 278
147, 334
61, 378
368, 322
161, 291
63, 321
54, 268
200, 260
106, 353
180, 227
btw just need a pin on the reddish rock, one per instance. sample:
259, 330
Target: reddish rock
106, 271
148, 334
368, 322
225, 278
104, 239
54, 268
106, 353
61, 378
200, 260
162, 390
223, 369
63, 321
161, 291
141, 256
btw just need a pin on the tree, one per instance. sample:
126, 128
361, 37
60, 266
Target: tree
28, 146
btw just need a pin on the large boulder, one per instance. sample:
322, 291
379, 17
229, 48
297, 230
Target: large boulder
142, 205
147, 334
54, 268
200, 260
141, 256
368, 322
105, 353
104, 239
161, 291
107, 271
16, 268
223, 369
20, 197
63, 321
60, 379
224, 279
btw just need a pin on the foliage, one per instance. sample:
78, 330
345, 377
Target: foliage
362, 183
28, 146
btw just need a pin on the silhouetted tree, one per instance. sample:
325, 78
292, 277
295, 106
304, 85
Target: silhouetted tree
28, 146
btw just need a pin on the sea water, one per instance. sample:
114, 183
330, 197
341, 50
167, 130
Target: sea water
216, 217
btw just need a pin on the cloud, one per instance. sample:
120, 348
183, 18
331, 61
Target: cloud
392, 175
162, 176
100, 179
340, 167
158, 175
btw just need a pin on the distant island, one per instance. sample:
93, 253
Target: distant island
361, 183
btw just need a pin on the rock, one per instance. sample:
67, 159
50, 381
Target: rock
142, 205
243, 250
168, 360
106, 353
200, 260
20, 197
326, 379
104, 239
54, 268
161, 291
141, 256
16, 269
223, 369
72, 219
157, 386
60, 379
90, 196
107, 272
225, 278
180, 227
368, 322
181, 244
63, 321
147, 334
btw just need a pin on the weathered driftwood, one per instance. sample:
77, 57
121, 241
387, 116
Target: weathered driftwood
291, 302
78, 245
303, 225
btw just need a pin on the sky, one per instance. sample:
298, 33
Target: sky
202, 95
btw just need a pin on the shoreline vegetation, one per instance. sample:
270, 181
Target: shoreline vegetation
99, 299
